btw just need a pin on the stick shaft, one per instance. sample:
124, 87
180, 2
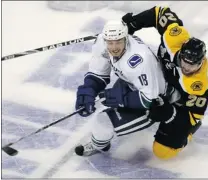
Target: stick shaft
49, 47
45, 127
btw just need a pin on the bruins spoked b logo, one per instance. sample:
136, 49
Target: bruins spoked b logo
175, 31
197, 86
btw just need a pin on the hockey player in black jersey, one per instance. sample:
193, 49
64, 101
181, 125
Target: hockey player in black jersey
185, 68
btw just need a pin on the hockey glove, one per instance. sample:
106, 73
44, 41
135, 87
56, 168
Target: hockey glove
162, 111
128, 19
114, 97
120, 97
85, 98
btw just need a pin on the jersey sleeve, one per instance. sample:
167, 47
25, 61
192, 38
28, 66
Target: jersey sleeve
158, 17
99, 63
164, 17
98, 75
173, 38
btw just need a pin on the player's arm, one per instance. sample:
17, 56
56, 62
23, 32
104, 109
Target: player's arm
95, 80
98, 75
158, 17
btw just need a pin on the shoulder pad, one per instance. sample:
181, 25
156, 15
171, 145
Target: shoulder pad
174, 37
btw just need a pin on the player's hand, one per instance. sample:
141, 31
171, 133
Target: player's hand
113, 98
128, 19
162, 111
85, 98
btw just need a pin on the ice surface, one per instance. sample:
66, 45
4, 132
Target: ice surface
38, 89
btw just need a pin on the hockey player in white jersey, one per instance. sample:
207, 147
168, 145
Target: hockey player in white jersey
140, 81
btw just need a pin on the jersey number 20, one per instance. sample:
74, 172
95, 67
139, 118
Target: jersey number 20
164, 19
197, 101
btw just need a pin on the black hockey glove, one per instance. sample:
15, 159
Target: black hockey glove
128, 19
162, 111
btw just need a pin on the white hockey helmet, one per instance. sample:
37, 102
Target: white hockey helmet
114, 30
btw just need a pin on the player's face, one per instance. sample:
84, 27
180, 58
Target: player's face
116, 47
189, 69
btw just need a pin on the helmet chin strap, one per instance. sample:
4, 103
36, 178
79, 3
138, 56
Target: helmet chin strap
200, 66
178, 62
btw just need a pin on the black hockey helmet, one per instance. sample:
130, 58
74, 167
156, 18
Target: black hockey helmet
193, 51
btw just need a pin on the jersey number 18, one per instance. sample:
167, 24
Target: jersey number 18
143, 79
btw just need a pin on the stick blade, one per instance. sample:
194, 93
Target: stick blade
10, 151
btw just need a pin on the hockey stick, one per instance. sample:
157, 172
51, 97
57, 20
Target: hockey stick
49, 47
12, 152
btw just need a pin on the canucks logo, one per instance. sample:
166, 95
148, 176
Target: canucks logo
135, 60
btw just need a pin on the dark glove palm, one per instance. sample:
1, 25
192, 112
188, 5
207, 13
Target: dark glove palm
115, 97
128, 19
112, 98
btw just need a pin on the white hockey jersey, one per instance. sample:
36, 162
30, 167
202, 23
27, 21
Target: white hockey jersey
138, 67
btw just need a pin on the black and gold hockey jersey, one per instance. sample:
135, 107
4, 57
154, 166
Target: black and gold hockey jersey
194, 88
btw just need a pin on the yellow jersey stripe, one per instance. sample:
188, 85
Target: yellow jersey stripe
156, 14
198, 116
192, 120
164, 9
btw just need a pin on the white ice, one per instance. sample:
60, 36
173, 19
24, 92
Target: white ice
28, 25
